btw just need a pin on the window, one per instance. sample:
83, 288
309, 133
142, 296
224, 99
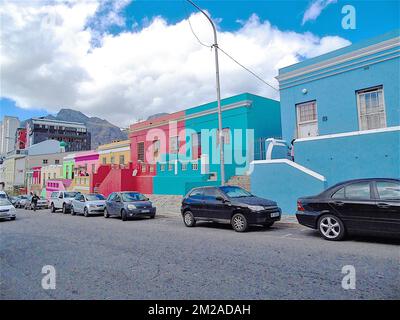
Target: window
104, 160
388, 190
211, 193
371, 108
339, 194
307, 121
112, 160
54, 175
45, 161
184, 166
57, 161
156, 149
144, 168
195, 166
162, 167
196, 145
121, 159
196, 193
170, 167
359, 191
173, 145
140, 151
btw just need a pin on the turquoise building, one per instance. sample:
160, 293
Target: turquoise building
343, 110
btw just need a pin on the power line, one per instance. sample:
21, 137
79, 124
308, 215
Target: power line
247, 69
191, 29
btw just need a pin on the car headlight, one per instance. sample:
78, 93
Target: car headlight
256, 208
131, 207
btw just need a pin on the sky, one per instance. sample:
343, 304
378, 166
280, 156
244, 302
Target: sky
124, 60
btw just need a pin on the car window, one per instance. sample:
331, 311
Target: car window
77, 197
197, 193
94, 197
4, 202
339, 194
61, 195
54, 194
71, 194
133, 196
211, 193
111, 197
117, 198
2, 196
358, 191
235, 192
388, 190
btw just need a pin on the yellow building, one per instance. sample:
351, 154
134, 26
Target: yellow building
116, 152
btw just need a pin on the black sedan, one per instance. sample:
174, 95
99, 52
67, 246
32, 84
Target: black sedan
228, 204
369, 206
129, 204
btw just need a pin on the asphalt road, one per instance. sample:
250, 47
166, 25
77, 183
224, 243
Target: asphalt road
95, 258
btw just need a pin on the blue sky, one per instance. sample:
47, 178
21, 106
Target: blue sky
373, 18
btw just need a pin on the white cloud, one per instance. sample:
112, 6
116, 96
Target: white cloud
48, 61
315, 9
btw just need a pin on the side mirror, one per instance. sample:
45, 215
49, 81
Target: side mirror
146, 199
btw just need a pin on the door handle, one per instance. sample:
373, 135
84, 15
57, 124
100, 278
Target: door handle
338, 203
383, 205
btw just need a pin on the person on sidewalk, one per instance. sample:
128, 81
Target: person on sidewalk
34, 200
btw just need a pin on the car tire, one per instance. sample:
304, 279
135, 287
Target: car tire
64, 208
269, 224
239, 222
86, 212
106, 215
152, 216
52, 209
73, 213
331, 227
12, 218
188, 219
123, 215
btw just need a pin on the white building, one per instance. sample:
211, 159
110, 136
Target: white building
8, 130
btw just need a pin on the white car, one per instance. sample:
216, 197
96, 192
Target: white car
3, 195
87, 204
7, 210
61, 200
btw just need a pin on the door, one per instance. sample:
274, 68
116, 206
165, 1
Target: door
214, 207
117, 205
195, 202
388, 206
110, 203
81, 203
356, 206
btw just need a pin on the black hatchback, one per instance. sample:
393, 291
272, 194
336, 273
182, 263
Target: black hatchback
228, 204
369, 206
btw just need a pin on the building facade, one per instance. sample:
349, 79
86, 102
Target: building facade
74, 135
343, 110
175, 152
8, 129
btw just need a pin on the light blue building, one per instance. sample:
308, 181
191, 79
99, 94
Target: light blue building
343, 109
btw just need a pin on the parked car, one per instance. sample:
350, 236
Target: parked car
42, 203
88, 204
129, 204
228, 204
7, 210
61, 200
13, 200
368, 206
21, 201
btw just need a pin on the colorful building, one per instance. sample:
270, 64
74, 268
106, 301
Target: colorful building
175, 152
116, 152
343, 109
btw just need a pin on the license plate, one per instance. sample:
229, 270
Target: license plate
145, 211
274, 214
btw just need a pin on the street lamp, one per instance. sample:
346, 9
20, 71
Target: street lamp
220, 133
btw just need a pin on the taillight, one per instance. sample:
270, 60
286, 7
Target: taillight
299, 206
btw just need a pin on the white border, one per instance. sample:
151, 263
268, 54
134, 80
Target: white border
293, 164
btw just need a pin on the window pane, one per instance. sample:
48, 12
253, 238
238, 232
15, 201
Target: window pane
388, 190
339, 194
371, 109
197, 192
359, 191
211, 193
140, 151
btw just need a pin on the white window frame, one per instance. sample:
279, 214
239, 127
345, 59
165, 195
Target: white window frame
299, 123
362, 92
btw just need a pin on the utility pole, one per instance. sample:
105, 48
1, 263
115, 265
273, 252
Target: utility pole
220, 133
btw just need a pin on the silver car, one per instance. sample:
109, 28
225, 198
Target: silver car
88, 204
7, 210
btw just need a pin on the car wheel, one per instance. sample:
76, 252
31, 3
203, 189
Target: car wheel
239, 222
331, 227
52, 209
189, 219
64, 209
269, 224
86, 212
123, 215
106, 215
72, 211
12, 218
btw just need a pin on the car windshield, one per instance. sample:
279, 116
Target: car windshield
4, 202
70, 194
235, 192
94, 197
133, 196
2, 196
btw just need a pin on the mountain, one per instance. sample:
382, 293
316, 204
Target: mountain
101, 130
